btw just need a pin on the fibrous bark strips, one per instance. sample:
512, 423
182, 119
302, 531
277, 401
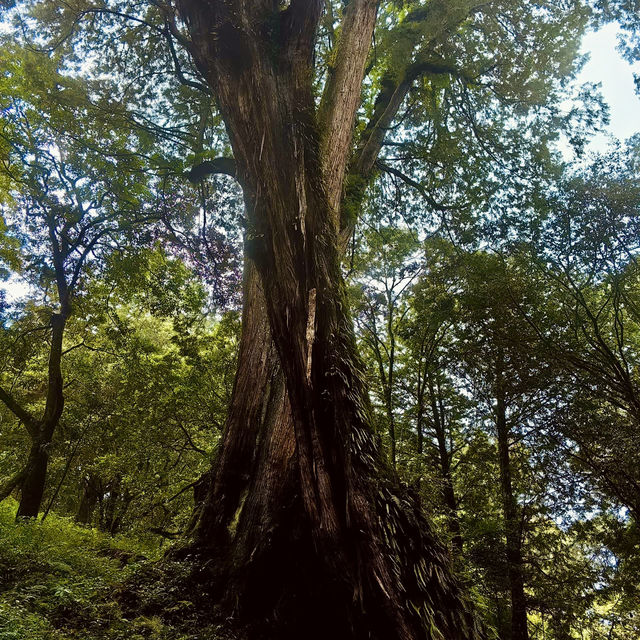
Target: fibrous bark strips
313, 533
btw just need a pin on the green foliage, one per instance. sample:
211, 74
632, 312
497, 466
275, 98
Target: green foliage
150, 377
555, 304
9, 256
60, 581
55, 574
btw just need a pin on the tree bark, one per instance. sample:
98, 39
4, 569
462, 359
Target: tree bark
259, 420
35, 472
513, 531
323, 525
88, 500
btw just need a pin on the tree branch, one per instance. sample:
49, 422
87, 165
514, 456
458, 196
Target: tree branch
200, 171
15, 481
199, 86
438, 206
29, 421
342, 91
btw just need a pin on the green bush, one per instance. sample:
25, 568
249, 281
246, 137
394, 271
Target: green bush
57, 580
61, 581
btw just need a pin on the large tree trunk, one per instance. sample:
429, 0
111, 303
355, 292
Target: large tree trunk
269, 568
324, 541
259, 402
513, 530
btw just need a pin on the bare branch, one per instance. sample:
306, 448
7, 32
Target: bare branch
199, 86
438, 206
222, 165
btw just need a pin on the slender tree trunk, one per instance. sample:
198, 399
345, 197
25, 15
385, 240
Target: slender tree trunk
391, 379
88, 501
122, 506
65, 471
115, 504
35, 472
448, 491
513, 533
419, 425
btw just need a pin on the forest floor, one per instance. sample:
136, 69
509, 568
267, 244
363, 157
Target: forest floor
60, 581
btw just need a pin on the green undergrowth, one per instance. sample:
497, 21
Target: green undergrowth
60, 581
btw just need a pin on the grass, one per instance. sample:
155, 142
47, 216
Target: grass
60, 581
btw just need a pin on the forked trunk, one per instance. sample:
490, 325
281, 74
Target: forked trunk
313, 533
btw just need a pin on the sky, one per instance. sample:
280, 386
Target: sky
605, 66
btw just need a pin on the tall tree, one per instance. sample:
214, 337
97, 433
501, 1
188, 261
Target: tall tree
498, 357
584, 254
260, 68
386, 271
66, 198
